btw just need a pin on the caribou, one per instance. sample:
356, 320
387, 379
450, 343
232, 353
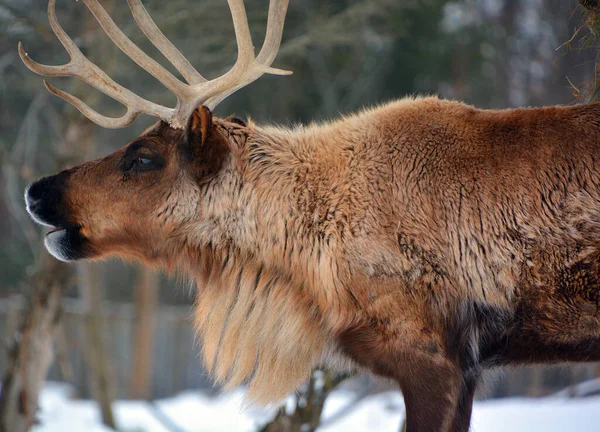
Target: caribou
423, 240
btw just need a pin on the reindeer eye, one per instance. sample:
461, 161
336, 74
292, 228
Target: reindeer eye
146, 163
141, 163
141, 158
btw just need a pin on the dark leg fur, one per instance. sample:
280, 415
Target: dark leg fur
432, 382
431, 391
462, 417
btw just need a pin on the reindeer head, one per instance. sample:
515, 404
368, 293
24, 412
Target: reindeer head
133, 201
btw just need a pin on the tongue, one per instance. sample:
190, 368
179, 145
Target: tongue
55, 230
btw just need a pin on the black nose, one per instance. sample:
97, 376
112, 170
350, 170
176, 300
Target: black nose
43, 199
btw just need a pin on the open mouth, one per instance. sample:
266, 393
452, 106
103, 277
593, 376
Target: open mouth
66, 243
56, 229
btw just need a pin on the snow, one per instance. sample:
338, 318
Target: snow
189, 411
196, 412
380, 412
537, 415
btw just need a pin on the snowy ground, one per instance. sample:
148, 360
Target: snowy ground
194, 412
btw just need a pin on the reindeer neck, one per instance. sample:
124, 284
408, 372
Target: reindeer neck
271, 285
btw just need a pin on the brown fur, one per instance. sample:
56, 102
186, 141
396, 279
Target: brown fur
423, 240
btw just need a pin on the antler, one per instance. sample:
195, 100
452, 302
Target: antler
198, 90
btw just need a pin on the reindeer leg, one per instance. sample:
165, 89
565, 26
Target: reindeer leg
432, 388
464, 408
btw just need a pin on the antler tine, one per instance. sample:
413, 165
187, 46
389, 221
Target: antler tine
65, 40
80, 67
93, 115
164, 45
275, 21
125, 44
268, 52
245, 55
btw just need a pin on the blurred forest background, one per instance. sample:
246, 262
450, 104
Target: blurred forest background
125, 331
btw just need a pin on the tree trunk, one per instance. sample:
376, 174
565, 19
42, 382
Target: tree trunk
97, 359
30, 353
309, 405
147, 287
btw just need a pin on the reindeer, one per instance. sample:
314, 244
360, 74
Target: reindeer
423, 240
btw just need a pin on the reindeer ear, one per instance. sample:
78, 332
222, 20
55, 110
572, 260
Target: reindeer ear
199, 126
202, 144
